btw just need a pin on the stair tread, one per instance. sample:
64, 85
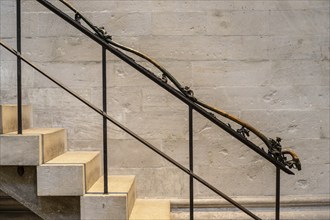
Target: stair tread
151, 209
295, 213
116, 184
36, 131
10, 105
73, 157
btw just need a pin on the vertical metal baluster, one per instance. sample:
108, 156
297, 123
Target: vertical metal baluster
191, 164
105, 128
278, 185
19, 68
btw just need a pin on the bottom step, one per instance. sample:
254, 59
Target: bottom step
151, 209
116, 205
266, 214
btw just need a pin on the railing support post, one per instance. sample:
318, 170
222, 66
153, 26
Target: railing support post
19, 67
105, 127
191, 164
278, 188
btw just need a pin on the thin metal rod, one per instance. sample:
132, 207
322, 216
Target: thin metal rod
105, 127
19, 68
278, 193
137, 137
167, 87
191, 164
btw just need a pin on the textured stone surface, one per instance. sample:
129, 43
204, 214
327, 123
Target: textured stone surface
27, 150
302, 213
24, 190
70, 174
264, 61
151, 209
118, 204
103, 206
61, 180
34, 147
292, 207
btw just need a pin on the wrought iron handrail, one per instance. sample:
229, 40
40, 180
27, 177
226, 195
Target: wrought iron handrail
130, 61
275, 154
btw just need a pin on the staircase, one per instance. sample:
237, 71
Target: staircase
62, 173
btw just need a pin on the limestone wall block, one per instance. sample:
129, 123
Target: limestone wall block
206, 47
299, 72
238, 22
315, 120
302, 22
230, 73
297, 48
132, 154
174, 23
256, 178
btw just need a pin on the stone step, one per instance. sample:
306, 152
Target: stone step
117, 204
34, 147
294, 213
8, 117
151, 209
70, 174
293, 207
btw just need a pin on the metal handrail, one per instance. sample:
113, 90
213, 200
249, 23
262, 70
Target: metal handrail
134, 135
130, 61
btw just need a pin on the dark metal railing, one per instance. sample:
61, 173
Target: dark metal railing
105, 126
278, 193
193, 104
134, 135
191, 163
19, 68
130, 61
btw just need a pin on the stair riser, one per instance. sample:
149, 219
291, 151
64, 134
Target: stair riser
60, 180
107, 207
31, 149
8, 118
67, 179
20, 150
118, 204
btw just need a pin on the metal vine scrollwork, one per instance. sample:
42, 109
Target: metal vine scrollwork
243, 131
274, 147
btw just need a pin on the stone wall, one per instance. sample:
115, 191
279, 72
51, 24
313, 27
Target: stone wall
266, 62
